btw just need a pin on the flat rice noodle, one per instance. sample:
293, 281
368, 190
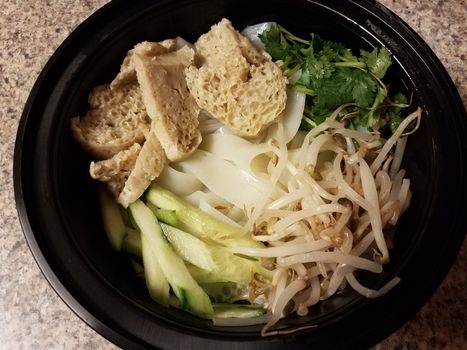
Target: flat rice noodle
228, 181
243, 153
204, 206
252, 33
298, 140
214, 200
178, 182
282, 154
209, 125
234, 213
291, 117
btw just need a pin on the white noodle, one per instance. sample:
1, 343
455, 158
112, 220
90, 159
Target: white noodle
346, 246
313, 297
371, 195
280, 286
361, 136
350, 145
285, 200
301, 156
392, 140
313, 272
281, 251
279, 168
282, 300
315, 147
203, 205
396, 184
383, 181
401, 199
334, 283
371, 293
345, 188
305, 213
319, 207
297, 229
336, 112
207, 126
390, 209
319, 129
303, 178
363, 245
398, 153
300, 269
330, 232
355, 261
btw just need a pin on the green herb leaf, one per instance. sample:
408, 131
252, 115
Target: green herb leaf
274, 42
363, 87
394, 111
331, 75
317, 68
377, 61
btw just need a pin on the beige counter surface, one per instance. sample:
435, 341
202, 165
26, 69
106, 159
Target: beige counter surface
32, 316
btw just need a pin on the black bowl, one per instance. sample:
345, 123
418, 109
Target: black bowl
57, 201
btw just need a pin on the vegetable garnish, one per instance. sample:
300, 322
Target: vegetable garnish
331, 75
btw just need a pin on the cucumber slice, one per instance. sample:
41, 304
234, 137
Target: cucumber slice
166, 216
223, 311
226, 292
125, 216
132, 242
229, 268
237, 311
195, 221
139, 269
156, 282
189, 248
191, 296
112, 220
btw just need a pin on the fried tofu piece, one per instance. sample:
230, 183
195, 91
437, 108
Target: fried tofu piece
116, 120
237, 84
127, 72
150, 163
168, 102
116, 170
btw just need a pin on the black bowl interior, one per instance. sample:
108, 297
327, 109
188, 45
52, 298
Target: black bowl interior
59, 210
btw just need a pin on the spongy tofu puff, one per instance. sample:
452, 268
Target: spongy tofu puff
235, 83
170, 105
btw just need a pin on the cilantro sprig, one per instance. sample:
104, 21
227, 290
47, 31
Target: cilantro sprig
332, 75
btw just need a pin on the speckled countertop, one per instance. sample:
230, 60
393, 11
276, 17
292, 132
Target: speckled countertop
32, 316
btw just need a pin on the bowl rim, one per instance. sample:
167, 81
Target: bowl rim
120, 337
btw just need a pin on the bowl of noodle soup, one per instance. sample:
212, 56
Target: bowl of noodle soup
59, 210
